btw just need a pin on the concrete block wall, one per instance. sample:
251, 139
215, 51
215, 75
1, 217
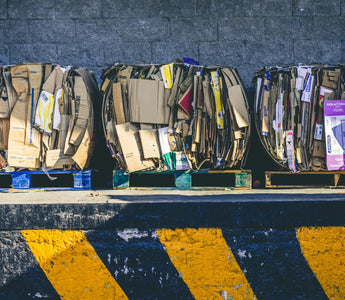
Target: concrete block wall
246, 34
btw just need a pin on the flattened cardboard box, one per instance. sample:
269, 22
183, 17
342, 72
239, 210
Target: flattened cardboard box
147, 102
149, 143
129, 141
4, 131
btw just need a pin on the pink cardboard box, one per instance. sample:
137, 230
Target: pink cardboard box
334, 111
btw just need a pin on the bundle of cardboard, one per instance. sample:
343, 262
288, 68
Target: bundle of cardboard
291, 117
176, 116
46, 117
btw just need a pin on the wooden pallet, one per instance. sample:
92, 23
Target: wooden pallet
60, 180
284, 179
225, 179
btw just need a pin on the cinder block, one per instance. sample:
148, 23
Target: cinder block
228, 54
241, 28
164, 52
66, 9
81, 54
219, 8
20, 53
16, 32
31, 9
269, 52
4, 56
332, 30
247, 72
282, 28
3, 27
97, 31
316, 8
173, 8
266, 8
3, 9
317, 51
128, 53
134, 30
193, 30
52, 31
126, 9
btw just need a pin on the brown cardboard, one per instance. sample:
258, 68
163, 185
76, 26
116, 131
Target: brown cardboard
319, 148
111, 132
4, 131
32, 135
77, 134
299, 155
207, 97
203, 135
48, 68
172, 142
331, 78
238, 106
299, 130
146, 126
83, 109
129, 141
52, 156
11, 93
235, 149
50, 83
182, 115
18, 116
62, 162
172, 97
81, 156
149, 143
4, 106
54, 140
105, 84
124, 75
198, 127
46, 139
69, 148
146, 102
118, 103
63, 132
3, 162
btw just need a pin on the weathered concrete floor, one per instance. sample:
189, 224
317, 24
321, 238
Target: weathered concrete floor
159, 196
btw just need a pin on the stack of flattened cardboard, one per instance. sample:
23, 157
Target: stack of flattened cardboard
46, 117
289, 113
176, 116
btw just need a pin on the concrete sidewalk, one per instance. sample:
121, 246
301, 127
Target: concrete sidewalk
166, 196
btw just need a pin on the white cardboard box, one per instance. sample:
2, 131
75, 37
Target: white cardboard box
334, 111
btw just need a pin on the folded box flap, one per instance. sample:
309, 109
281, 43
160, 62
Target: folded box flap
238, 106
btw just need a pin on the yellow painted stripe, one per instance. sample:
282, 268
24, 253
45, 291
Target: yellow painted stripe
324, 249
72, 265
206, 264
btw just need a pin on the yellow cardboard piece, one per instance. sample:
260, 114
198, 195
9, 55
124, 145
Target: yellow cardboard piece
167, 75
217, 99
